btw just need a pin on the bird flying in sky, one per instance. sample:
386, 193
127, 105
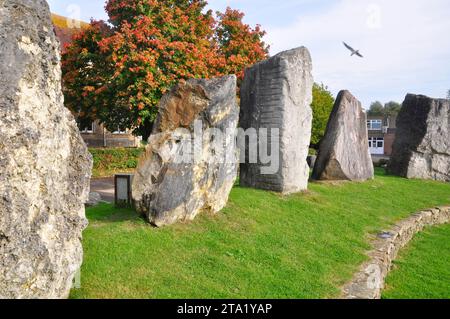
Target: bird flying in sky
354, 52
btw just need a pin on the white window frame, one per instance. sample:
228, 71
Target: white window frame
374, 147
119, 132
86, 130
372, 123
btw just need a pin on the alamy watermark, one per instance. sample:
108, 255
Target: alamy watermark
374, 17
73, 19
254, 146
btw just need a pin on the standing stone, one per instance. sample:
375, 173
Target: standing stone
311, 160
276, 94
190, 164
344, 150
422, 144
44, 164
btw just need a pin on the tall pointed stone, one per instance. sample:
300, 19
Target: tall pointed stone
44, 164
276, 95
344, 150
422, 144
190, 164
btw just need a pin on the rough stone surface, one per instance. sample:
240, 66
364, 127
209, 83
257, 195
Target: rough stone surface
368, 283
422, 144
94, 199
311, 160
277, 94
344, 150
44, 164
167, 189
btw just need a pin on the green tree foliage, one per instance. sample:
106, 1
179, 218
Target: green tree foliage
376, 109
118, 72
322, 106
389, 109
392, 108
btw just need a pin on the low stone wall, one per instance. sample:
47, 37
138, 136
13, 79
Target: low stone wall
369, 281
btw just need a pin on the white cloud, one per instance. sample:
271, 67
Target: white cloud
405, 44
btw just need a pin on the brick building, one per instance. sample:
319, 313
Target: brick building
95, 135
381, 134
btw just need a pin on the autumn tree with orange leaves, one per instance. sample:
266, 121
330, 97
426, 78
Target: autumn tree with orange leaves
87, 71
117, 72
239, 45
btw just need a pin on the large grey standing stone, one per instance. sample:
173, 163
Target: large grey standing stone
277, 94
44, 164
422, 144
179, 176
344, 150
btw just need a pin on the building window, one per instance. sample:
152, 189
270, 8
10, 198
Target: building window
375, 125
376, 145
119, 131
376, 142
87, 128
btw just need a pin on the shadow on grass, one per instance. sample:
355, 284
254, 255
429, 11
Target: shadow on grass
108, 213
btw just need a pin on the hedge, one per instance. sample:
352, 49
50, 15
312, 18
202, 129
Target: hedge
109, 161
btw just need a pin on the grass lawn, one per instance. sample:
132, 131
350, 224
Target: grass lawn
262, 245
423, 268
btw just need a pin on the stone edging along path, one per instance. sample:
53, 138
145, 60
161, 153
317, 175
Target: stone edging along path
369, 281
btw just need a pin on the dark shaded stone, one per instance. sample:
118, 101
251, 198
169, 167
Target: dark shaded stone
422, 144
344, 150
311, 160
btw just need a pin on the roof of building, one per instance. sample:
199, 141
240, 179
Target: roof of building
65, 28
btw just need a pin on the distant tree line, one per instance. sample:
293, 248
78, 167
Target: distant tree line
389, 109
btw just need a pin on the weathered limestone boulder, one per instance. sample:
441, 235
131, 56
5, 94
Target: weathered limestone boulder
422, 144
276, 95
94, 199
44, 164
344, 150
190, 164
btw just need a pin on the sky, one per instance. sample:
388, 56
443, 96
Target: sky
405, 43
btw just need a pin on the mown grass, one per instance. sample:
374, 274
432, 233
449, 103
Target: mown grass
422, 270
262, 245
